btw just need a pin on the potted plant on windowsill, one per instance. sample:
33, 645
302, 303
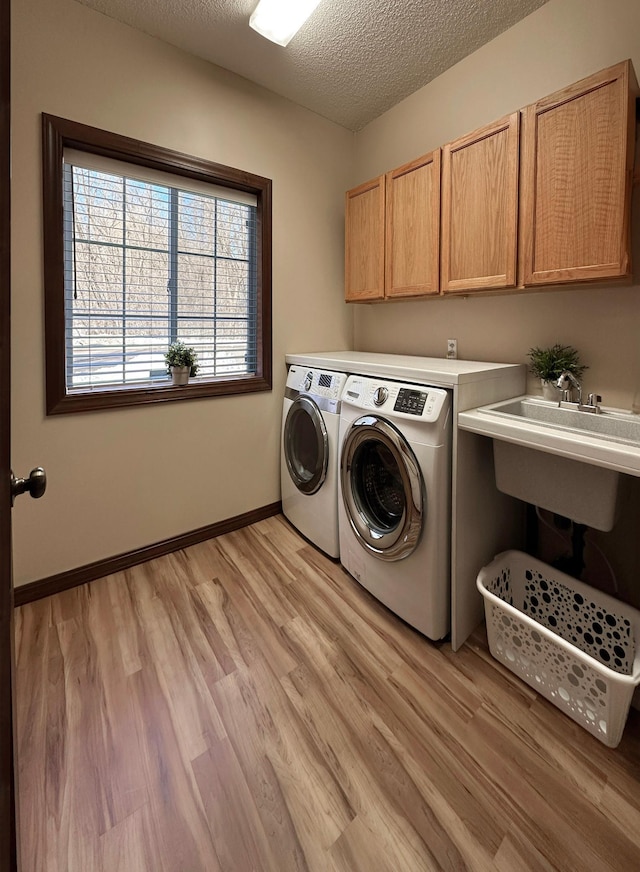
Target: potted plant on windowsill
182, 362
548, 364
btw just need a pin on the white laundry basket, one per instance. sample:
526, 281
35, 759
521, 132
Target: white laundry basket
573, 644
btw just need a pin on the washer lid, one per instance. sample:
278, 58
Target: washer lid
382, 488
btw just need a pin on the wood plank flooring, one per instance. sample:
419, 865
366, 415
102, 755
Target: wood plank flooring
243, 705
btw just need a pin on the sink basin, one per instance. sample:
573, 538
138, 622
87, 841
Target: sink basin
610, 424
540, 451
610, 440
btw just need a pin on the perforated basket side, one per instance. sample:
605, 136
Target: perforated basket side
590, 692
599, 705
596, 623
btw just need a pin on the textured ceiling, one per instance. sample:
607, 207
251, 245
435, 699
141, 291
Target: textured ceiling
350, 62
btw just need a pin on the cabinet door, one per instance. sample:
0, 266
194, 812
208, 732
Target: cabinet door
413, 228
480, 208
577, 166
364, 241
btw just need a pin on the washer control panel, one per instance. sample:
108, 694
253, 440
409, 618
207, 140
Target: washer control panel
380, 396
411, 401
400, 400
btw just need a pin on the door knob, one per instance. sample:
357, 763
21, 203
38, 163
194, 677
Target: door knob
36, 484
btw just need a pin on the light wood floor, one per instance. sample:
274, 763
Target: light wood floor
244, 705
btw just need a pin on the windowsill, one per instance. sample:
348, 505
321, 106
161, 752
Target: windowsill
146, 393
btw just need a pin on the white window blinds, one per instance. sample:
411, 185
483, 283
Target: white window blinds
151, 258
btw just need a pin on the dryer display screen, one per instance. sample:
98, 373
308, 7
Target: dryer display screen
411, 402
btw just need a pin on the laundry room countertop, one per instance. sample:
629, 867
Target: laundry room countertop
435, 371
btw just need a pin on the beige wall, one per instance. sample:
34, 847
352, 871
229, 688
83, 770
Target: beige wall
119, 480
560, 43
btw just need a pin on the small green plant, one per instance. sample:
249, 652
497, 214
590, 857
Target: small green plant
549, 363
180, 354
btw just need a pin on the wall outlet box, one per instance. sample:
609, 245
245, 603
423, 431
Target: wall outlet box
452, 349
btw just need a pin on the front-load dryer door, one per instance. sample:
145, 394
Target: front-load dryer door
306, 445
382, 488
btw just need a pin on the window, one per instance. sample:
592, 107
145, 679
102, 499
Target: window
143, 247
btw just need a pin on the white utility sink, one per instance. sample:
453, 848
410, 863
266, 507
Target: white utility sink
610, 439
609, 423
540, 452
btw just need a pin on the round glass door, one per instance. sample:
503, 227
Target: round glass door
306, 446
382, 488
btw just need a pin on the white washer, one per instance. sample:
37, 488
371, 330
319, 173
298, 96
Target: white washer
309, 454
395, 482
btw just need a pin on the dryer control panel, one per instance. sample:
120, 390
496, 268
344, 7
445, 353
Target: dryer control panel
321, 384
395, 398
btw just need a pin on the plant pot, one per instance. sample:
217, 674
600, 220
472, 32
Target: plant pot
550, 391
180, 375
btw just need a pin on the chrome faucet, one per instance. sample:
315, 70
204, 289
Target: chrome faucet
565, 382
568, 380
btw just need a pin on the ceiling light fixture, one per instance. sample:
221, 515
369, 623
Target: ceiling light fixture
280, 20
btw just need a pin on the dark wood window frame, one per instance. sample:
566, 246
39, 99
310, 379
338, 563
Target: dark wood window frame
59, 134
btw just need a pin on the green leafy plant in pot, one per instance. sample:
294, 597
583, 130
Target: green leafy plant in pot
182, 362
548, 364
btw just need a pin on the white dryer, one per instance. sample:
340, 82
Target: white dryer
395, 482
309, 454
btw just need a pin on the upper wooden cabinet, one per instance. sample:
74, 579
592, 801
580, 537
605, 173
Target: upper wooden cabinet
541, 197
577, 162
364, 241
480, 208
412, 246
392, 233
